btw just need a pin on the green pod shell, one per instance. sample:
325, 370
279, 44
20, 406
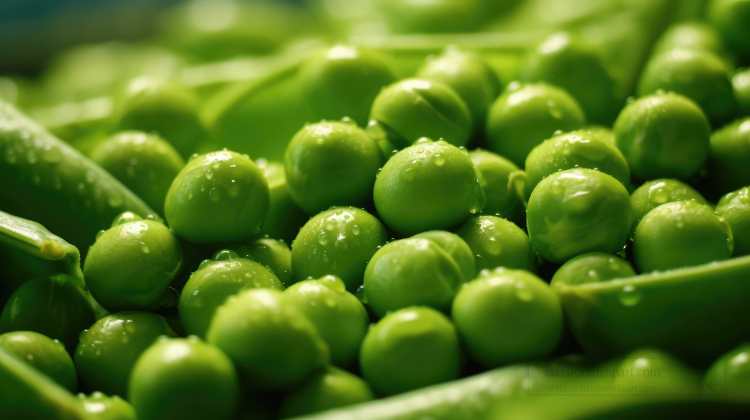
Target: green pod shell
660, 191
729, 156
335, 388
497, 242
45, 354
734, 208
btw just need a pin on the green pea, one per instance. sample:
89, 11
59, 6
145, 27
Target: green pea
218, 196
102, 407
741, 87
699, 75
729, 156
527, 114
652, 371
213, 282
108, 350
43, 353
497, 242
428, 186
601, 132
333, 389
691, 35
663, 135
660, 191
592, 267
680, 234
145, 163
416, 108
408, 349
272, 343
730, 18
506, 316
734, 207
501, 180
284, 218
331, 163
337, 314
344, 81
55, 306
730, 373
183, 378
272, 254
131, 265
339, 241
577, 211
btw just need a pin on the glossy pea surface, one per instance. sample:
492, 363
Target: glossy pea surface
270, 253
332, 389
690, 35
497, 242
729, 156
730, 373
45, 354
500, 181
734, 207
591, 268
660, 191
102, 407
284, 216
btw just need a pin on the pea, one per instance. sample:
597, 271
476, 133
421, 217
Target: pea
218, 196
680, 234
507, 316
730, 373
660, 191
334, 388
501, 179
102, 407
108, 350
741, 87
730, 18
45, 354
734, 208
663, 135
270, 253
729, 156
216, 280
592, 267
497, 242
428, 186
416, 108
577, 211
408, 349
131, 265
691, 35
179, 378
601, 132
339, 242
642, 368
331, 163
271, 342
527, 114
145, 163
284, 218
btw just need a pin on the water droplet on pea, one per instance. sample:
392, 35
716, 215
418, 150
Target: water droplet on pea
629, 295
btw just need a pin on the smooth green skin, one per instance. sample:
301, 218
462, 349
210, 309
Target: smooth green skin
577, 149
527, 114
416, 108
270, 253
331, 163
335, 388
591, 268
339, 317
344, 81
729, 156
183, 378
699, 75
741, 86
284, 218
154, 104
730, 18
506, 316
272, 343
498, 242
131, 265
218, 196
408, 349
692, 35
498, 174
456, 248
47, 355
339, 241
577, 211
730, 373
102, 407
143, 162
660, 191
212, 283
571, 63
680, 234
652, 371
428, 186
469, 76
108, 350
439, 16
663, 135
55, 306
734, 207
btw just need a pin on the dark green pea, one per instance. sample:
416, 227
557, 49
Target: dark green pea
741, 86
338, 315
729, 156
272, 254
527, 114
591, 268
102, 407
44, 353
577, 211
663, 135
660, 191
506, 316
183, 378
284, 218
331, 163
502, 181
145, 163
218, 196
497, 242
344, 81
730, 373
653, 371
416, 108
108, 350
339, 241
691, 35
731, 19
333, 389
272, 343
131, 265
680, 234
55, 306
408, 349
734, 207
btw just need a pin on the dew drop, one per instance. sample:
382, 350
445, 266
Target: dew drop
629, 295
